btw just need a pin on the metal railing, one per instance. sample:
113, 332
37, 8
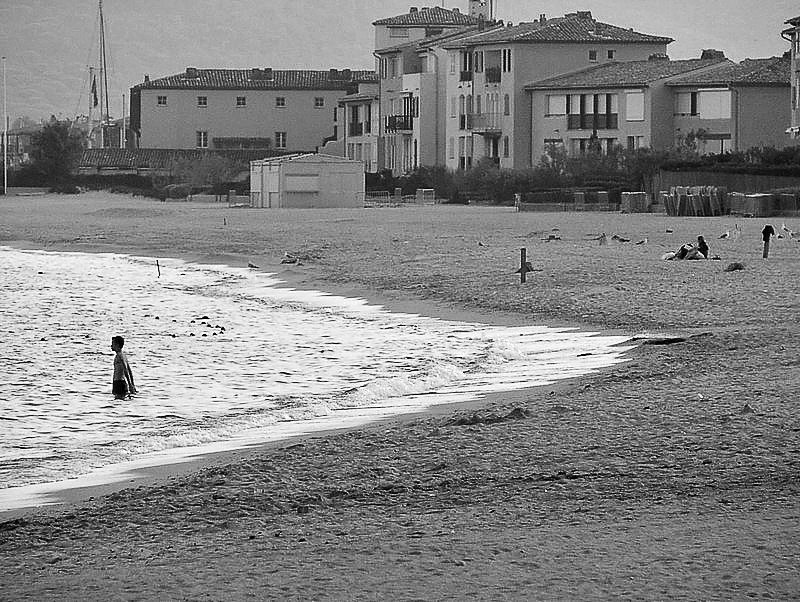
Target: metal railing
398, 123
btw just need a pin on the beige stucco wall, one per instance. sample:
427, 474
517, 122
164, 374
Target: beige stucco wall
176, 125
531, 63
760, 115
544, 127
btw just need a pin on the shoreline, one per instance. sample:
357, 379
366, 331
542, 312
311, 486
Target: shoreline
59, 499
673, 475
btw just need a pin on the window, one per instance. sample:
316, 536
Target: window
506, 60
280, 139
686, 103
506, 105
593, 55
611, 54
505, 146
384, 68
319, 102
715, 104
478, 62
241, 101
453, 103
398, 32
351, 150
634, 106
202, 101
556, 104
635, 142
453, 62
451, 148
161, 101
280, 101
202, 139
478, 104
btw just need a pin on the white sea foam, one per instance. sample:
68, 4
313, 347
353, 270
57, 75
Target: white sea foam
225, 357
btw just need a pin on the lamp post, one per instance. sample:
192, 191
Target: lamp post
5, 133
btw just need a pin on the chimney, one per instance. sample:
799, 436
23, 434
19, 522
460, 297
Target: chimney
347, 74
455, 10
147, 78
333, 74
542, 19
268, 75
191, 73
413, 9
712, 53
584, 14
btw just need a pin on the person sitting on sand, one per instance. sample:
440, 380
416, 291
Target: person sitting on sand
690, 251
698, 251
122, 384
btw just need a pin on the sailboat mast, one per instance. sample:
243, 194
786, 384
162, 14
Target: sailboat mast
104, 72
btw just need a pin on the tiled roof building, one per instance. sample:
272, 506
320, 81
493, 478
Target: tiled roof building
616, 75
573, 27
287, 110
774, 71
434, 15
259, 79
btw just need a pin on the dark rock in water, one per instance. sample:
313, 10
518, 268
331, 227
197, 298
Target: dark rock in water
747, 409
732, 267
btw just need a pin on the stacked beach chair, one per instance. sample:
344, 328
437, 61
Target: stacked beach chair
694, 200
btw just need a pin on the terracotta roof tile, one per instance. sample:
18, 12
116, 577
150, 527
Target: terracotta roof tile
434, 15
620, 75
775, 71
260, 79
160, 158
570, 28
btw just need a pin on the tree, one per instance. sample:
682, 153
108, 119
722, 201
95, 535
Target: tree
56, 150
207, 171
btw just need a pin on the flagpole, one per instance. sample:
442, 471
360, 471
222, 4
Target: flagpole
91, 100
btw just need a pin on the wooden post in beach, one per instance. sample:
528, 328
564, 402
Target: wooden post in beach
523, 270
158, 267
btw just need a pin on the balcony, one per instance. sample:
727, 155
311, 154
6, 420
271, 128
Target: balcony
493, 75
489, 124
398, 123
355, 129
604, 121
466, 76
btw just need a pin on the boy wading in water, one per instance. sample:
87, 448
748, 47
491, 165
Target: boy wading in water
122, 385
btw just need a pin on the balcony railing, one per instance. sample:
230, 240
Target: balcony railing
493, 75
398, 123
466, 76
603, 121
488, 123
355, 129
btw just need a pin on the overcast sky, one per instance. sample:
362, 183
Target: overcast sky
50, 43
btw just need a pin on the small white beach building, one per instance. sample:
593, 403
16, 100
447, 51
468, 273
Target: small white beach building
306, 180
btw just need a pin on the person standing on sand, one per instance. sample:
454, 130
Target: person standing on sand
122, 385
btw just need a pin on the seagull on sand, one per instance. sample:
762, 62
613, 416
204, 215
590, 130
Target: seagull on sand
791, 233
287, 258
620, 239
642, 242
725, 234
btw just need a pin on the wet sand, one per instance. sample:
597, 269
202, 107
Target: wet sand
674, 475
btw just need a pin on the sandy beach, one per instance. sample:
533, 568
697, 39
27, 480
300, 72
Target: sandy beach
675, 475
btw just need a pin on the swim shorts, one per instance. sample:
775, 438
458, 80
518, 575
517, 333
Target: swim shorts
120, 389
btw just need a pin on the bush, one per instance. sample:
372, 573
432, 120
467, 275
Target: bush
65, 188
177, 191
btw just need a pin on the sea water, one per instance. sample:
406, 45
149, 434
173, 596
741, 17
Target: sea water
225, 357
